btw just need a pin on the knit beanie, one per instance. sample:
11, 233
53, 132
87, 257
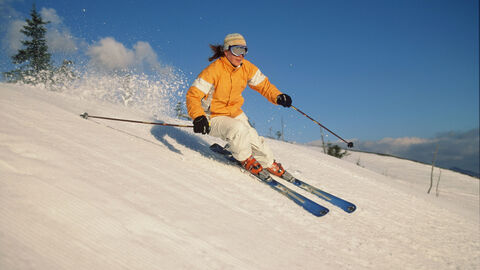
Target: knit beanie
233, 39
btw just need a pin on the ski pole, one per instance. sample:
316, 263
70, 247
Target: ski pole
349, 144
86, 116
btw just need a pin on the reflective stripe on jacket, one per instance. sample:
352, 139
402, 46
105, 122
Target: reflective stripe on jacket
218, 89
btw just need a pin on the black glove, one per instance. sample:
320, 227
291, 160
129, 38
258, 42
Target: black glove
284, 100
201, 125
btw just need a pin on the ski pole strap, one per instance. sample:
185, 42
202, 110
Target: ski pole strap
86, 116
349, 144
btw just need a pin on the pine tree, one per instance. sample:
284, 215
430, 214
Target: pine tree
34, 59
336, 151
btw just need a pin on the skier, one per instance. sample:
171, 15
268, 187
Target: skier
215, 99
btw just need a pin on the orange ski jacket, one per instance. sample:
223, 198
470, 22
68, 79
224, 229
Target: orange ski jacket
218, 89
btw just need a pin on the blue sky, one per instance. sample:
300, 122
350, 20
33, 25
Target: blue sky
365, 69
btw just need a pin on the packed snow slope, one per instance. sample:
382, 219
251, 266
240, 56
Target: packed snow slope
92, 194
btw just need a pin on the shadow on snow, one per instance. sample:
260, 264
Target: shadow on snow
188, 140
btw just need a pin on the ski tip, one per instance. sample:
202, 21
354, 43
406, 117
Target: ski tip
315, 209
351, 208
322, 212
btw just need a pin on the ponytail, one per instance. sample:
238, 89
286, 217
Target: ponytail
217, 52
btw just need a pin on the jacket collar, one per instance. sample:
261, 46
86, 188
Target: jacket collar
229, 65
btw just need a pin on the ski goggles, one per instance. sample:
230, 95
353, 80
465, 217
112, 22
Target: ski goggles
238, 50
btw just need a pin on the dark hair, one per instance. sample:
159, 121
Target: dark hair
217, 52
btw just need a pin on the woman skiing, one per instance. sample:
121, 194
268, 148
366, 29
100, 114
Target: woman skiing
215, 99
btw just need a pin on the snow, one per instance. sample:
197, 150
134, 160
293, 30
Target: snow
95, 194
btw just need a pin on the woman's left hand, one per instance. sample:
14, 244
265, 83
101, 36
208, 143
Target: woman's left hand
284, 100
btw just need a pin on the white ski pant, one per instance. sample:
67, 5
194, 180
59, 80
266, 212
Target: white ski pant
243, 139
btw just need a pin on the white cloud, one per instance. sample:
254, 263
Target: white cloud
455, 149
10, 26
61, 41
405, 141
59, 38
145, 54
392, 146
12, 40
50, 15
6, 9
109, 55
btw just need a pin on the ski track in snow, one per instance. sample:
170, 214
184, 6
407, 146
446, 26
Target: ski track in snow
92, 194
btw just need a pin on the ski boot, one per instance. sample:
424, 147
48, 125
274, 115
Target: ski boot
278, 170
254, 167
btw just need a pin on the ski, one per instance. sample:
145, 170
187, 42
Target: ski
309, 205
341, 203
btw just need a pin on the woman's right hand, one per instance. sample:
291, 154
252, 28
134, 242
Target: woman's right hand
201, 125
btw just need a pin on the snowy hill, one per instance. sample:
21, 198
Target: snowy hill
92, 194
